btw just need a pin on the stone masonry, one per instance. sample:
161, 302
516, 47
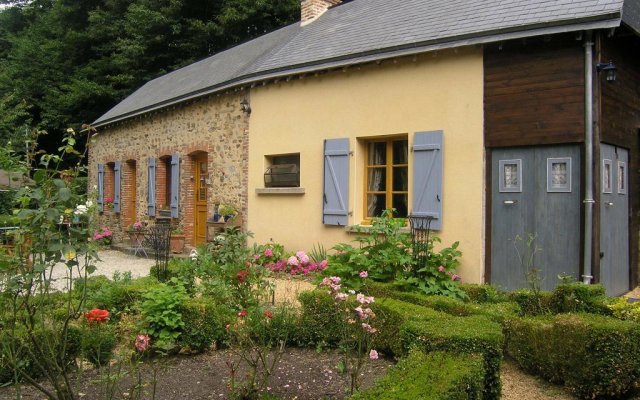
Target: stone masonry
215, 125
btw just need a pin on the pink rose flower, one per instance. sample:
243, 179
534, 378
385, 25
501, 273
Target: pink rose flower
441, 268
142, 342
363, 274
341, 296
373, 354
455, 277
268, 253
304, 259
293, 260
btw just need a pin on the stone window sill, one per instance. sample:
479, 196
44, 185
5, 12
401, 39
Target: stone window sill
280, 191
367, 228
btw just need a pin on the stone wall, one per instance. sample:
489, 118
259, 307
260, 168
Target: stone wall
215, 125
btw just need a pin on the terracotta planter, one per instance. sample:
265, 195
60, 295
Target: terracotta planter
177, 244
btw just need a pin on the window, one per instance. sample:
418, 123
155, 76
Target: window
386, 177
606, 176
282, 171
559, 175
510, 176
163, 190
622, 177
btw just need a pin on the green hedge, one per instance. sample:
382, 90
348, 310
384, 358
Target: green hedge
204, 323
483, 293
115, 296
578, 297
498, 311
530, 302
433, 376
594, 356
319, 325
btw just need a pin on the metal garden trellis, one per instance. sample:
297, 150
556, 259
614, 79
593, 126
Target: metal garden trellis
158, 239
420, 230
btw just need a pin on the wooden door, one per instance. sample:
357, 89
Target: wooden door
535, 197
200, 201
614, 220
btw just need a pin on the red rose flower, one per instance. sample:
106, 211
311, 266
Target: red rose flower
97, 315
242, 276
268, 314
242, 313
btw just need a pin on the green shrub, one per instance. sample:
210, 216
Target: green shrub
122, 295
433, 376
161, 312
578, 297
319, 325
97, 344
622, 309
204, 323
483, 293
182, 269
531, 302
595, 356
402, 326
497, 312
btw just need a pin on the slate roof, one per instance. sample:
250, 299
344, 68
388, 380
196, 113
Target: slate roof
366, 30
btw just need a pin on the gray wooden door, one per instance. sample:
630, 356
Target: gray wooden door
614, 220
535, 193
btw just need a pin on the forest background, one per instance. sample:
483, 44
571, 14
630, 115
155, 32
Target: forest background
64, 63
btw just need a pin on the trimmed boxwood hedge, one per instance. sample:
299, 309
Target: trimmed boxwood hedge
433, 376
320, 324
483, 293
593, 355
498, 311
204, 323
578, 297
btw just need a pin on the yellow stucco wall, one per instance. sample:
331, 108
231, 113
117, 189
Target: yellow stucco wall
441, 92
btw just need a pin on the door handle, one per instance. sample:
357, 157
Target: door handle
510, 202
608, 203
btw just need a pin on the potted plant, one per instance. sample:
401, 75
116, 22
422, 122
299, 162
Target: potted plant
227, 211
176, 243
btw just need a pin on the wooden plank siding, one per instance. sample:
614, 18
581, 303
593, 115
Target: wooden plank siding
534, 93
620, 121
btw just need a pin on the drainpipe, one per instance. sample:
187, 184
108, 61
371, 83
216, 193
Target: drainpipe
588, 158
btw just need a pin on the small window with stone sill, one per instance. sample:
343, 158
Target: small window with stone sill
283, 171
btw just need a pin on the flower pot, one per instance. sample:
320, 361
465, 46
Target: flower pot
176, 244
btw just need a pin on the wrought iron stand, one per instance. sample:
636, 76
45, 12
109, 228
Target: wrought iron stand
158, 238
420, 230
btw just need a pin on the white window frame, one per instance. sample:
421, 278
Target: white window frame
566, 188
622, 189
501, 186
606, 162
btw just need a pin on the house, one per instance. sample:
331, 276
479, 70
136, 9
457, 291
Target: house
496, 119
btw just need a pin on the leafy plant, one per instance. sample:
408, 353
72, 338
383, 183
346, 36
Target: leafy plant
161, 312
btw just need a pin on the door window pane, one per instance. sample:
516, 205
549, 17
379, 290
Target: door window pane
606, 176
559, 175
510, 175
622, 177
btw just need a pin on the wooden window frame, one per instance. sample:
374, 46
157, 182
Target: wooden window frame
389, 192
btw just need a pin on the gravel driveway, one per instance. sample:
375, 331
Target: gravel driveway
110, 262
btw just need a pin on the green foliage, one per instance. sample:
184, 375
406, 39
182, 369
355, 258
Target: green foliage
433, 376
385, 251
118, 296
204, 323
64, 63
532, 302
483, 293
595, 356
622, 309
181, 269
578, 297
97, 343
431, 330
320, 325
161, 312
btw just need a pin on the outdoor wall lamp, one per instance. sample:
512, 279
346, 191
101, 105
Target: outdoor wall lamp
610, 68
246, 108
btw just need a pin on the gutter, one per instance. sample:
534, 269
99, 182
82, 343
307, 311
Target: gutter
588, 201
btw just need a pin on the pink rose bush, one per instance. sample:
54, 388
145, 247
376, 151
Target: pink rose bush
358, 321
298, 264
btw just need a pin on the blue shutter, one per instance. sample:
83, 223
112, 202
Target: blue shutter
427, 176
336, 182
100, 187
116, 187
175, 184
151, 188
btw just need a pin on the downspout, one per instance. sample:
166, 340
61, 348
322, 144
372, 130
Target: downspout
588, 158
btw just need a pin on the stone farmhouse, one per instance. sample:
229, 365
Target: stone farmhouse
497, 119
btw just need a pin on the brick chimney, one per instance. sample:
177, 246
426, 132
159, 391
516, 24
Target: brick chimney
312, 9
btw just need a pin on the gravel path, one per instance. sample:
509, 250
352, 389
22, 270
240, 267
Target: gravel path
110, 262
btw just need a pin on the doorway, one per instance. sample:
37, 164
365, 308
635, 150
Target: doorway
535, 215
200, 201
614, 219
